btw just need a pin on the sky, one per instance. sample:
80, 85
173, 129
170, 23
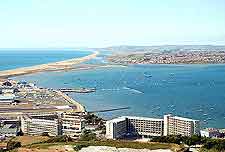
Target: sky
102, 23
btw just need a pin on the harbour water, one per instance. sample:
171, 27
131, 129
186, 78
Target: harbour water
195, 91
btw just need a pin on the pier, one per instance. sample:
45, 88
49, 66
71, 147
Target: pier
108, 110
78, 90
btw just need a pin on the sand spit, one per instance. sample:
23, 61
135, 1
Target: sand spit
61, 65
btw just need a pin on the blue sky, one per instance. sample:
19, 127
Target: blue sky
100, 23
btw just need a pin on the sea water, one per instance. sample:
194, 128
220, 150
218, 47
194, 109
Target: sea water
11, 59
194, 91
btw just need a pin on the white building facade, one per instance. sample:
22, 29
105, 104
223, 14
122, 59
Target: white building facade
174, 125
72, 124
37, 125
150, 127
140, 126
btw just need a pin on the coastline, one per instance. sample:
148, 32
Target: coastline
56, 66
79, 106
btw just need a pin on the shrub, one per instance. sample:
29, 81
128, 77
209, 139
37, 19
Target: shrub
78, 147
63, 138
13, 144
87, 136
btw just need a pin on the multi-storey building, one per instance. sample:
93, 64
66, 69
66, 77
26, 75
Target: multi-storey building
72, 124
145, 126
148, 127
9, 127
116, 128
174, 125
37, 125
140, 126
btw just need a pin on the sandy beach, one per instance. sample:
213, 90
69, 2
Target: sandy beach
61, 65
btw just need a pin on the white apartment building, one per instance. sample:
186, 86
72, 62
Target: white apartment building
148, 127
72, 124
116, 128
37, 125
9, 127
174, 125
141, 126
145, 126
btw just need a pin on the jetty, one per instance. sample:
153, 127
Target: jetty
108, 110
78, 90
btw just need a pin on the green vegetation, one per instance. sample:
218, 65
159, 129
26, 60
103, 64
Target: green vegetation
87, 135
13, 144
193, 140
214, 144
92, 119
63, 138
78, 147
209, 144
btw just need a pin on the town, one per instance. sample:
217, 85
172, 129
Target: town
32, 111
171, 57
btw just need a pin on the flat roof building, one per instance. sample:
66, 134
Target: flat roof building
148, 127
72, 124
140, 126
9, 127
37, 125
7, 99
174, 125
116, 128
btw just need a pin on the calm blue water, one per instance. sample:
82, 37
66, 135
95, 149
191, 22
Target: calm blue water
195, 91
11, 59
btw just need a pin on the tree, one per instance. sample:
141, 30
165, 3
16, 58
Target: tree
45, 134
13, 144
87, 135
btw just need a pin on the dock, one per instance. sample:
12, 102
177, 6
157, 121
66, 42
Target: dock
78, 90
108, 110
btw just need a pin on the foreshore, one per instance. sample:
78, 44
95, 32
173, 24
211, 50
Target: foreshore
56, 66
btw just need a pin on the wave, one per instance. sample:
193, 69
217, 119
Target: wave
133, 90
124, 88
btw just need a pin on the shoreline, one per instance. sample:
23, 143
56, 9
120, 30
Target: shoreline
56, 66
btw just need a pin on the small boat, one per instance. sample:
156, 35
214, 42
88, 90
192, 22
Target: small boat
147, 75
200, 110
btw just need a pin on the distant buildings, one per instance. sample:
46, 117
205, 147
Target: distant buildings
212, 133
147, 127
7, 99
7, 95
